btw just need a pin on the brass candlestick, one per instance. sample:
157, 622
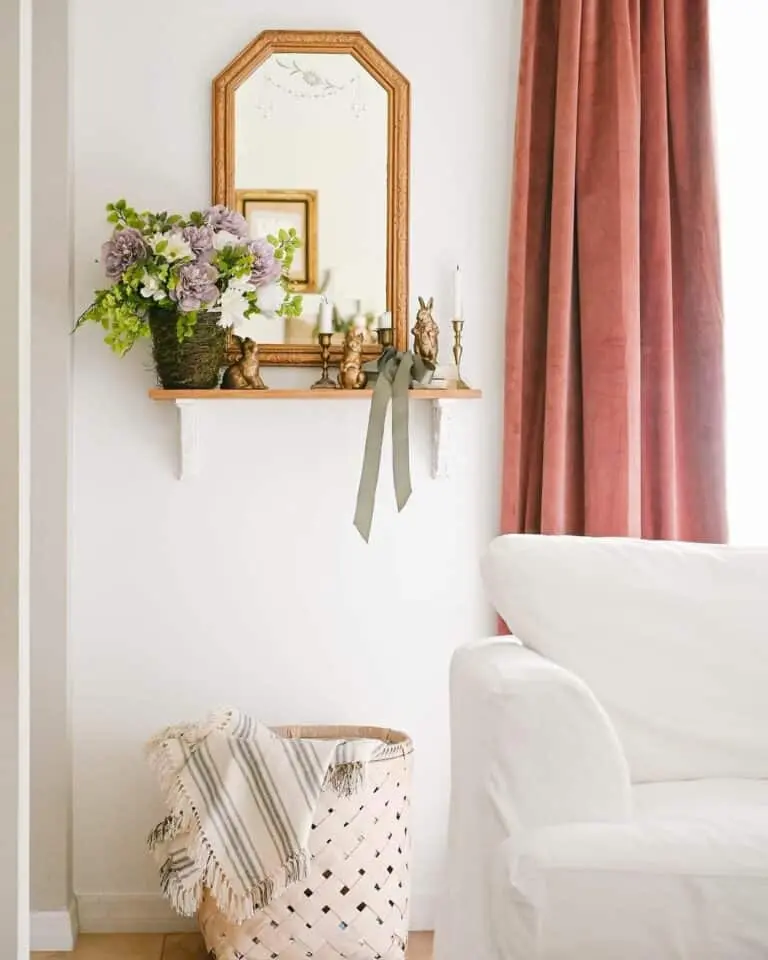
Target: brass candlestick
325, 382
385, 336
458, 350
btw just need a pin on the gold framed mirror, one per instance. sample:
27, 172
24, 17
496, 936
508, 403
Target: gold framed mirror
311, 131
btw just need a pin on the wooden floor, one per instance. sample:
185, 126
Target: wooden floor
175, 946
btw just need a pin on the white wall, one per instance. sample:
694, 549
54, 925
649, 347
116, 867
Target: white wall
249, 585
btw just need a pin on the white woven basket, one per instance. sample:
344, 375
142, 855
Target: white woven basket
354, 905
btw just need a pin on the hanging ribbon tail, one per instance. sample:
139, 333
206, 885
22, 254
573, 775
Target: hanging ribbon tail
393, 383
369, 477
401, 454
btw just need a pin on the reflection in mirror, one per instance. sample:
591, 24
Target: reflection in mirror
311, 148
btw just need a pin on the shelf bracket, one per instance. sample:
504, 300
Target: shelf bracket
187, 412
443, 442
443, 437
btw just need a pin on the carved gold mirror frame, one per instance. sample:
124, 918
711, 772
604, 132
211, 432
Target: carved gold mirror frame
398, 95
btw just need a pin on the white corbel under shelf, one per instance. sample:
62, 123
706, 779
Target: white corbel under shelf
186, 401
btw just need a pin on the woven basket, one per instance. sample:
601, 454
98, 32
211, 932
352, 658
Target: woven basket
354, 905
194, 363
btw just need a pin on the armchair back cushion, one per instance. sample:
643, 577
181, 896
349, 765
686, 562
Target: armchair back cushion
672, 638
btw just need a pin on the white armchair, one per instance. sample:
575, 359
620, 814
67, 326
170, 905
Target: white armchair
610, 778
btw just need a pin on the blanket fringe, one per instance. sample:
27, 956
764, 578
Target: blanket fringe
237, 908
167, 829
345, 779
296, 869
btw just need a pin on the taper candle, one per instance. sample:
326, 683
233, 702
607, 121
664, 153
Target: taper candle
458, 308
326, 317
359, 321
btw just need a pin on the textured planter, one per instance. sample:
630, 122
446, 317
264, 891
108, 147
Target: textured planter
192, 364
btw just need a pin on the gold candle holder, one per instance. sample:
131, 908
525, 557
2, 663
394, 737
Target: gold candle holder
458, 351
325, 382
385, 336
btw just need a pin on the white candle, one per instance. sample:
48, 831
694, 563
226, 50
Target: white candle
458, 308
326, 317
385, 321
359, 321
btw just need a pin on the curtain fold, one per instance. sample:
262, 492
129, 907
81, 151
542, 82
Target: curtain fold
614, 386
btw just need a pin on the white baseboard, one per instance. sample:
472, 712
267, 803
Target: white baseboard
54, 930
130, 913
150, 913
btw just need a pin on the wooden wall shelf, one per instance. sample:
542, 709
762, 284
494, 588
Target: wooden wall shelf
425, 394
188, 402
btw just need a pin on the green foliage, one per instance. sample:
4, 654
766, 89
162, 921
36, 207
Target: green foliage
233, 262
185, 325
286, 243
119, 316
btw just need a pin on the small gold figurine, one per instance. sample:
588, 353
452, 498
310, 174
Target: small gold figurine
351, 373
426, 332
244, 375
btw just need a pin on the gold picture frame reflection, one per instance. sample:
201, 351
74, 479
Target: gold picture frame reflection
268, 211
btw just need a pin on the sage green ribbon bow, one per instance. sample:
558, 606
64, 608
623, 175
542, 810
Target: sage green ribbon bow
395, 371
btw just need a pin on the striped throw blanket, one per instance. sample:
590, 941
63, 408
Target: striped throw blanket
242, 800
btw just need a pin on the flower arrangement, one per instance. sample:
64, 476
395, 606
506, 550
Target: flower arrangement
178, 268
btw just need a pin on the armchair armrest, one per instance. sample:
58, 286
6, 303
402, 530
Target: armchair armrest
534, 739
530, 747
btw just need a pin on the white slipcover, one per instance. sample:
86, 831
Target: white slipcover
610, 778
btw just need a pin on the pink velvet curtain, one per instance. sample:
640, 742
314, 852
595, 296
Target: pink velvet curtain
614, 370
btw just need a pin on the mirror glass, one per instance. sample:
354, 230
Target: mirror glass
311, 149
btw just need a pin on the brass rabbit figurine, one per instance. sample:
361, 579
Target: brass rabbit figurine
351, 373
244, 375
426, 332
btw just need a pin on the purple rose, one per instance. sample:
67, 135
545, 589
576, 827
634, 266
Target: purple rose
195, 286
222, 218
199, 238
124, 249
266, 269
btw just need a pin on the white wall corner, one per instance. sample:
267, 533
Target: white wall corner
54, 930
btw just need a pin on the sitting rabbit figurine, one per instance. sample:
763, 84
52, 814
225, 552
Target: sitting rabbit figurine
351, 373
426, 332
244, 375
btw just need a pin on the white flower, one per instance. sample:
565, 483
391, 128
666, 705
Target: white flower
150, 287
242, 284
224, 239
233, 306
270, 298
176, 247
